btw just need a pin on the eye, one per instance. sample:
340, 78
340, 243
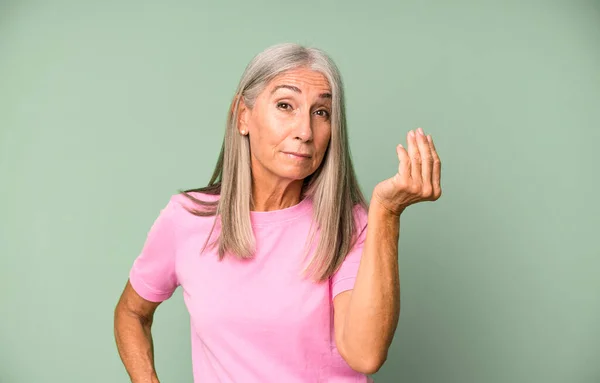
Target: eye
323, 113
284, 105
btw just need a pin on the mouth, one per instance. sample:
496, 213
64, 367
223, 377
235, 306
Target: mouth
297, 155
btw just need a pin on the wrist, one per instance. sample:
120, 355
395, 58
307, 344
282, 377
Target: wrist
381, 210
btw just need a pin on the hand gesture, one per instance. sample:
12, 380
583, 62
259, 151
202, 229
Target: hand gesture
418, 176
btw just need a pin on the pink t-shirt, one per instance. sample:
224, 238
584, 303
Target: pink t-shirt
251, 321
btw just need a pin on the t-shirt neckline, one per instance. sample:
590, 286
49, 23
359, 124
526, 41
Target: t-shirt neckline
280, 215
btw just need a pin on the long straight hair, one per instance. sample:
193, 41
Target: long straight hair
333, 187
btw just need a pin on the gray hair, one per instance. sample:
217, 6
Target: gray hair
333, 187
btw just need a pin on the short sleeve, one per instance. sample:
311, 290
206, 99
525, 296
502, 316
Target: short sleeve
153, 275
344, 278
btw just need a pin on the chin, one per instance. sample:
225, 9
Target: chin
294, 175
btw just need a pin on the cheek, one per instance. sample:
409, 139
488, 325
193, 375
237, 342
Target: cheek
322, 141
274, 131
267, 134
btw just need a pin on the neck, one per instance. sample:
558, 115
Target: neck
276, 197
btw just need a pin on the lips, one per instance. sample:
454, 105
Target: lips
305, 155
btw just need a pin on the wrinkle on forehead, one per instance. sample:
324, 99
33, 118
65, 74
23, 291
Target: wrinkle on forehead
304, 77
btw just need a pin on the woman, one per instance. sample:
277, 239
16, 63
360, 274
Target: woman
282, 279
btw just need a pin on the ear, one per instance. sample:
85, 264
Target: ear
243, 116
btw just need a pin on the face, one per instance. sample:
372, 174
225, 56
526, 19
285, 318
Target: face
289, 126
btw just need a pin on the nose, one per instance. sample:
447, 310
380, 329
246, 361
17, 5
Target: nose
303, 129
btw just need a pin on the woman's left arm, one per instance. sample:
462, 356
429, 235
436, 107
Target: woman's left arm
366, 317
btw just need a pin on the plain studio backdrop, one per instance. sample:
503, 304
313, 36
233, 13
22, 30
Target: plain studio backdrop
108, 108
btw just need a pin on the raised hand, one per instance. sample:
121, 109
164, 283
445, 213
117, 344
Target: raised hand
418, 176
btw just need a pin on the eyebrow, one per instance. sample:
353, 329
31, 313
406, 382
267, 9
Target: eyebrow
297, 90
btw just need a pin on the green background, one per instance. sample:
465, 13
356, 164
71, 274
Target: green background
108, 108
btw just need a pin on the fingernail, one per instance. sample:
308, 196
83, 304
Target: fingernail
411, 133
421, 131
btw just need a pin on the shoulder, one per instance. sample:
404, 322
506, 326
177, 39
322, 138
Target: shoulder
180, 211
188, 201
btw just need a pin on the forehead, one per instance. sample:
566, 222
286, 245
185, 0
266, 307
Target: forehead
303, 78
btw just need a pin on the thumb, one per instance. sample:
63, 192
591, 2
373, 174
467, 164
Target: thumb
404, 166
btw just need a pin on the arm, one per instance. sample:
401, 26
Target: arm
133, 318
367, 316
152, 279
